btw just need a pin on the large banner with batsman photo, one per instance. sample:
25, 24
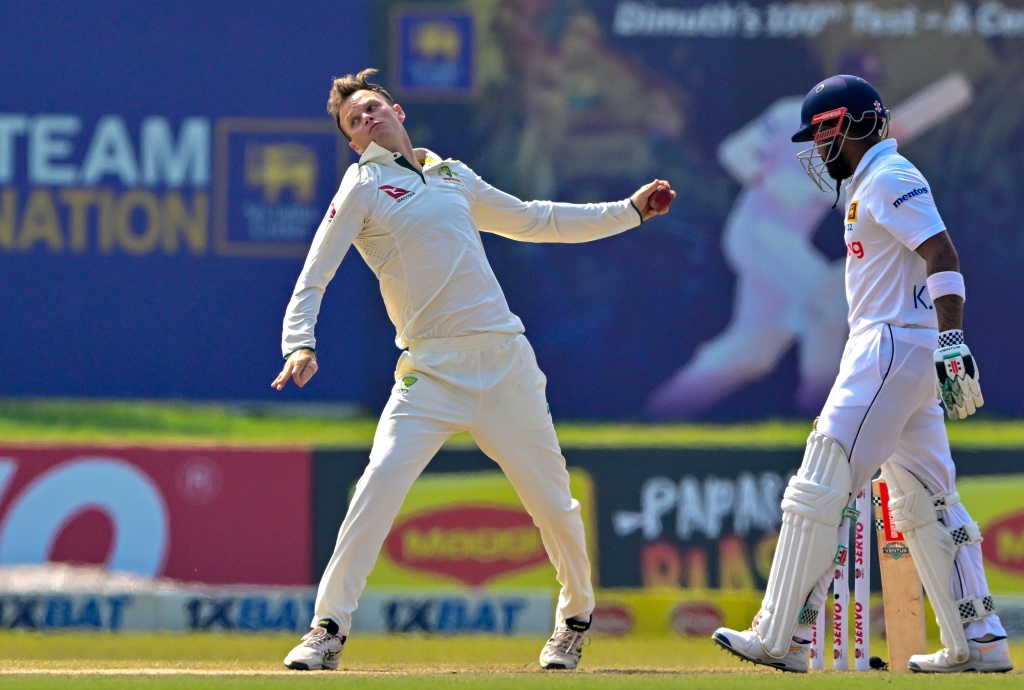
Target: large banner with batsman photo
157, 195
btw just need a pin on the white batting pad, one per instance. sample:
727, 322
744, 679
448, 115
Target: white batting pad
812, 509
933, 546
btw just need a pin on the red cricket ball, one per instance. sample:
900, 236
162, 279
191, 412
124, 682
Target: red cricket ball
662, 199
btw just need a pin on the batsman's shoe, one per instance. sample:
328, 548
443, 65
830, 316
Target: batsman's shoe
318, 651
747, 645
986, 657
564, 649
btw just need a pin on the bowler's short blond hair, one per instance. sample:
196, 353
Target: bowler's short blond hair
343, 87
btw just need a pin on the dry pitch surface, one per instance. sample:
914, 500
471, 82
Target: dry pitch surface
30, 660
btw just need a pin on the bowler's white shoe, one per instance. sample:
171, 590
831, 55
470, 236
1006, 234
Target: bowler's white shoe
564, 649
318, 651
747, 645
986, 657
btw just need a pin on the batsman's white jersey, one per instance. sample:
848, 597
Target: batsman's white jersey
891, 212
467, 366
883, 405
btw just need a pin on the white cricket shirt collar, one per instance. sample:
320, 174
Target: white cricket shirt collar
884, 146
375, 153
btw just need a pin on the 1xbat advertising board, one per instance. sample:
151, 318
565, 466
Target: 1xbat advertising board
65, 611
216, 516
275, 610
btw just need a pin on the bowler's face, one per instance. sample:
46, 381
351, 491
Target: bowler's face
366, 116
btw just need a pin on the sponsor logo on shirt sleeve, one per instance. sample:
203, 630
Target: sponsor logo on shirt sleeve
909, 195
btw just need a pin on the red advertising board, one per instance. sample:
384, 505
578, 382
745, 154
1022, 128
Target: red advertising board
469, 543
211, 515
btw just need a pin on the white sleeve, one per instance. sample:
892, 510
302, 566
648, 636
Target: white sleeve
545, 221
901, 200
338, 229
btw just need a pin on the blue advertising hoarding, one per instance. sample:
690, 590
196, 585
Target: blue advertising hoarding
162, 170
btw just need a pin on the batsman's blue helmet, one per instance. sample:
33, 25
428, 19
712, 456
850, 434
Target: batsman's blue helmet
844, 92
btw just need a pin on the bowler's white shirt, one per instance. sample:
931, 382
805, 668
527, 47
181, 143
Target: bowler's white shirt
891, 212
420, 235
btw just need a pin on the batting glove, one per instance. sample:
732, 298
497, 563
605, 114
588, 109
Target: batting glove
957, 376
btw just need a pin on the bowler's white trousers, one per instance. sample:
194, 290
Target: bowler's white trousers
488, 384
883, 407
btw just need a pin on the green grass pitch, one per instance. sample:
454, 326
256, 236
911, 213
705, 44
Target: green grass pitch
32, 660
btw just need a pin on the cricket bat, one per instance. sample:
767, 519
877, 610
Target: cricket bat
902, 597
931, 105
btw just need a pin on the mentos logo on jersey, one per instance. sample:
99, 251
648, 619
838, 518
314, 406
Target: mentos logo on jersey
909, 195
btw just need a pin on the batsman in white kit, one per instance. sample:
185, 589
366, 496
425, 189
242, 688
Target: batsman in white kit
466, 366
906, 296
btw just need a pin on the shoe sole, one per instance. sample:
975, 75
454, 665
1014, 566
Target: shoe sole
558, 667
299, 666
723, 642
917, 669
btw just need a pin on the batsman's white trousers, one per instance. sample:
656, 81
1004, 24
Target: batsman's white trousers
488, 384
883, 405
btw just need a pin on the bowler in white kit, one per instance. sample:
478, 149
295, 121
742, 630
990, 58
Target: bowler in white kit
906, 344
466, 366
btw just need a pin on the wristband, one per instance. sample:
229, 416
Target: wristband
301, 347
945, 283
951, 337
